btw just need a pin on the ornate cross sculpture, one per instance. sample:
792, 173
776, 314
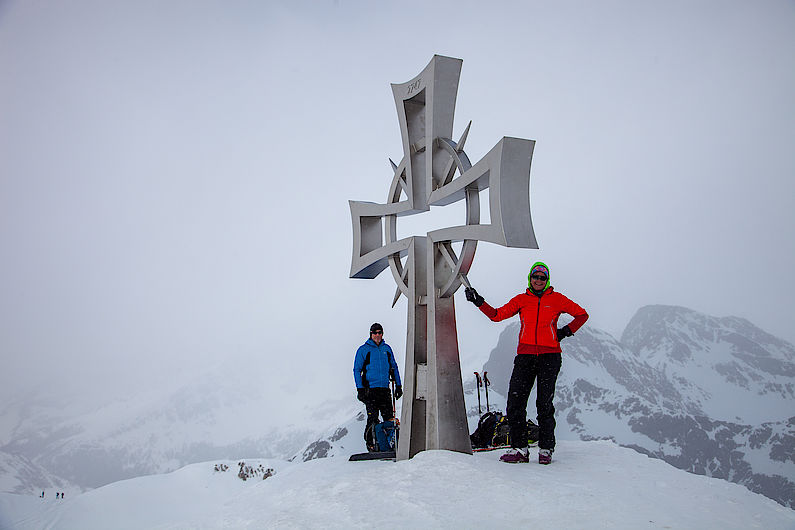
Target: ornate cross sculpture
435, 171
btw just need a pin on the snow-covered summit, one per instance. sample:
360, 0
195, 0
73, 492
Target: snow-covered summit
588, 484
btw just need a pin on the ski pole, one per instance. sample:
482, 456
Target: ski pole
486, 384
395, 421
394, 410
479, 384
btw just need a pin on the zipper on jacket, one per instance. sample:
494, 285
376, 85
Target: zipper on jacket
538, 316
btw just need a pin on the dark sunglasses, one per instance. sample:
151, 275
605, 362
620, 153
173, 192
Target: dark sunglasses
539, 278
379, 332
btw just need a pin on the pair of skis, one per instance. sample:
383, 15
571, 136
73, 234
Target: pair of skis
483, 382
489, 448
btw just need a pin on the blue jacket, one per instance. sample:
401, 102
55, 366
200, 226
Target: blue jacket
373, 364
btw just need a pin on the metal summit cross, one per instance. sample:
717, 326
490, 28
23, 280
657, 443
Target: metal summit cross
434, 414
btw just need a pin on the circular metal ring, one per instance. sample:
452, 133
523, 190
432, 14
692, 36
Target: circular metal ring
458, 162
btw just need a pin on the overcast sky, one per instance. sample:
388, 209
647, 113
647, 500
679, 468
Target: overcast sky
175, 175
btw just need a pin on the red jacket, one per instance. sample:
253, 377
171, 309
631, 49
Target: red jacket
539, 317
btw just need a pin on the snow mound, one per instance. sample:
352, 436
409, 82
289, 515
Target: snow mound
588, 483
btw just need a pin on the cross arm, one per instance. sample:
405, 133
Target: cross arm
505, 170
370, 255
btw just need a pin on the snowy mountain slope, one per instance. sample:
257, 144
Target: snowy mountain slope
658, 391
170, 498
215, 416
728, 367
344, 440
17, 473
589, 483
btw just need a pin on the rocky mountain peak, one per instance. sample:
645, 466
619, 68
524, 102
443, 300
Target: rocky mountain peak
680, 331
686, 341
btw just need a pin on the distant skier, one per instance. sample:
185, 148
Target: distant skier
373, 367
538, 356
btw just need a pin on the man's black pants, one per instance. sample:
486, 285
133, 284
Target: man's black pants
379, 400
526, 368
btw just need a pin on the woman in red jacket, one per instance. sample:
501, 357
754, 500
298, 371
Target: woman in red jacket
538, 356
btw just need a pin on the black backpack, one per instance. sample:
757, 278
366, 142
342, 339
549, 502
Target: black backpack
492, 431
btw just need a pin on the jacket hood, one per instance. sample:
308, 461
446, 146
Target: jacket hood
537, 264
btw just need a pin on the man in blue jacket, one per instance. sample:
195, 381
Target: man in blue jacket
373, 368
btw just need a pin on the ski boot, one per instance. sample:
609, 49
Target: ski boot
516, 456
545, 456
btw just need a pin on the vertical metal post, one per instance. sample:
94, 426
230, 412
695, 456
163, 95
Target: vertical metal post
415, 378
447, 419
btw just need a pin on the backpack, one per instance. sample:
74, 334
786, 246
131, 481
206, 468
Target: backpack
493, 431
383, 436
484, 434
386, 435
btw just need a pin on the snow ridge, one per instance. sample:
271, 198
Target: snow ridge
589, 481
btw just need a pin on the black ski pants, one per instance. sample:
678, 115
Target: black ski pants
379, 400
526, 369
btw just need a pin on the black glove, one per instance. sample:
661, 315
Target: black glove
473, 296
398, 391
361, 394
564, 332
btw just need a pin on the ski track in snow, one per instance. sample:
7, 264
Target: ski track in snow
589, 485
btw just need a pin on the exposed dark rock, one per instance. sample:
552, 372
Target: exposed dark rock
317, 449
338, 434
